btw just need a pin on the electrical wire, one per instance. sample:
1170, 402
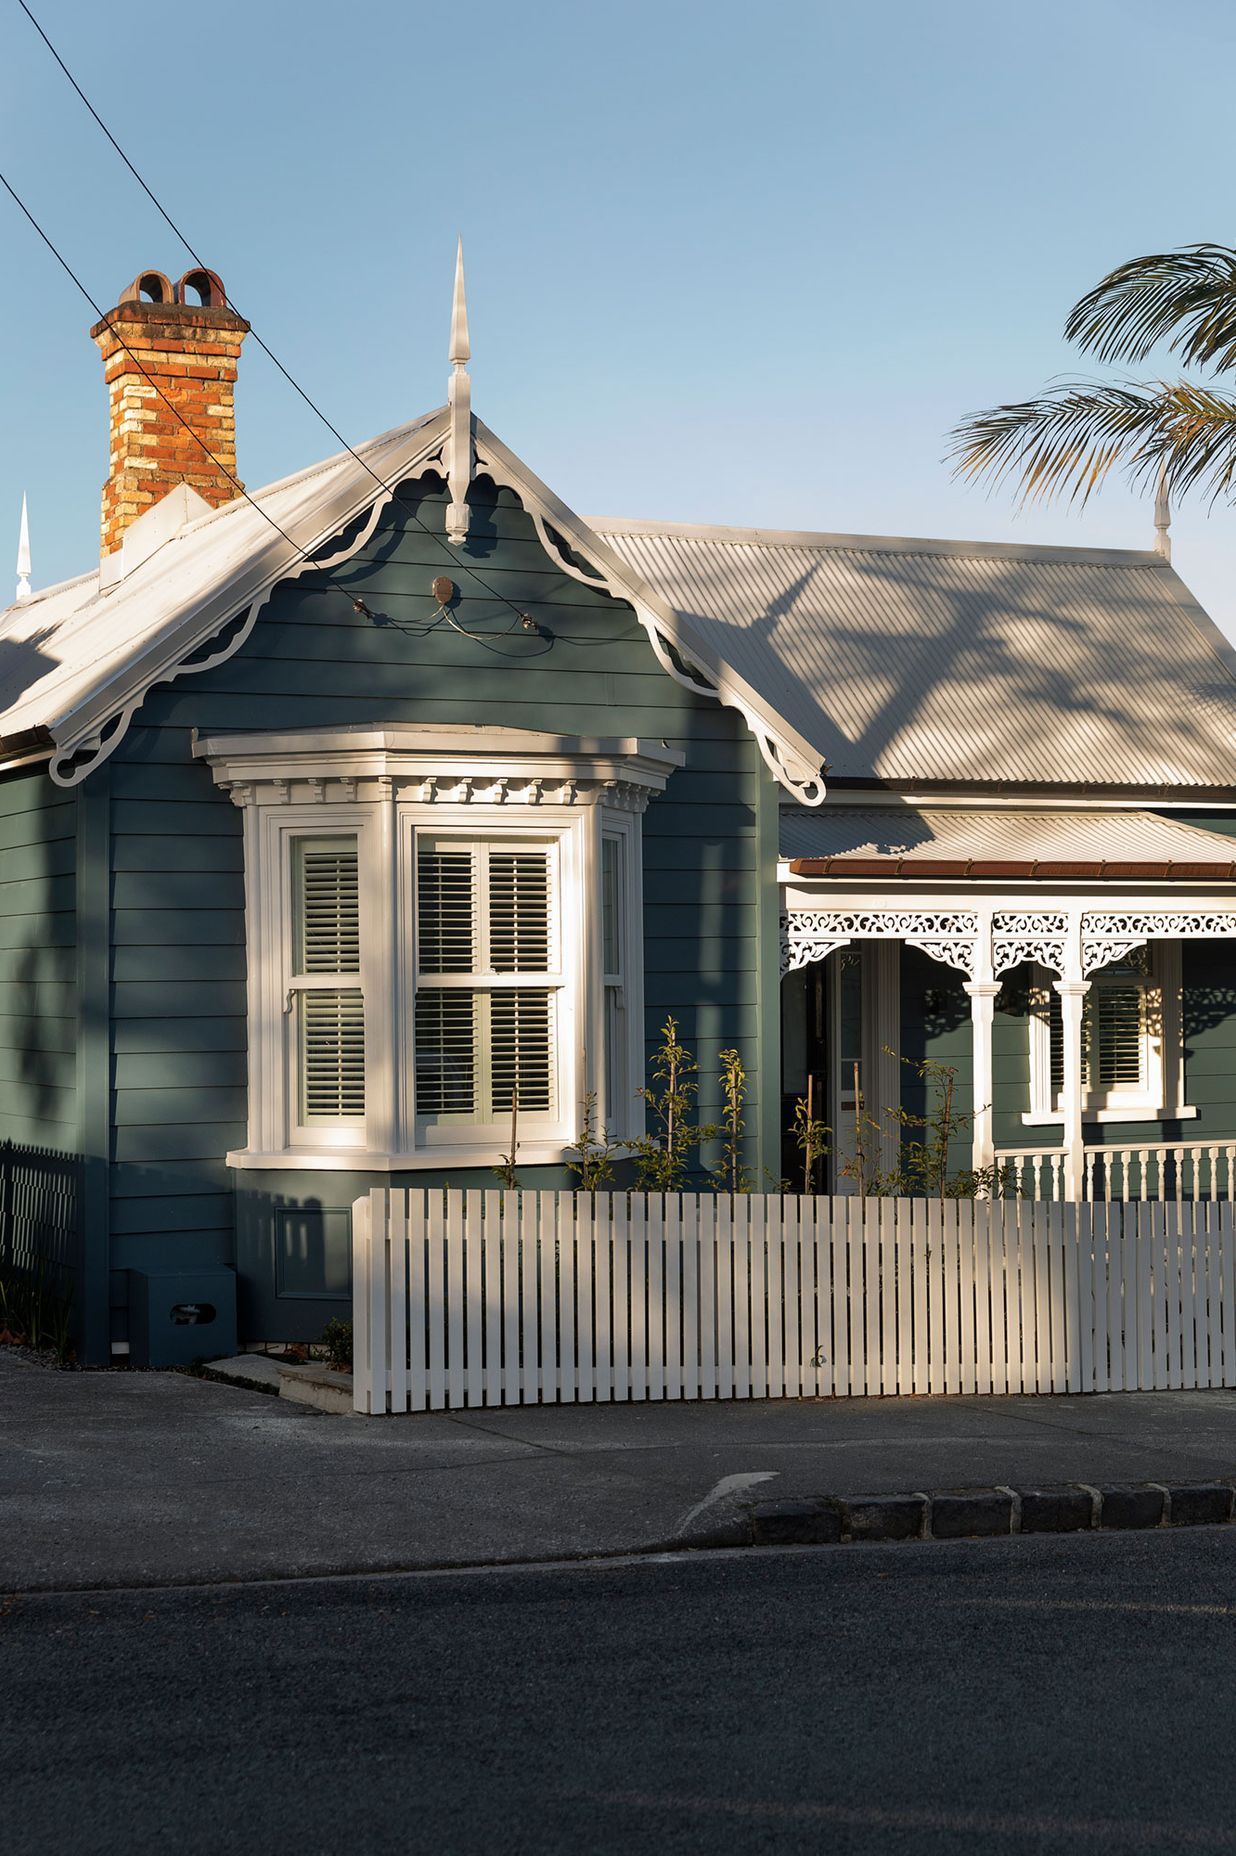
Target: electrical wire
267, 351
300, 552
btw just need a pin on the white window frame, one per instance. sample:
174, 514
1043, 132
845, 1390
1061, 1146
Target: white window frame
490, 826
481, 785
1163, 1096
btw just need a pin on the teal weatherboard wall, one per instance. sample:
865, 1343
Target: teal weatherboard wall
178, 1030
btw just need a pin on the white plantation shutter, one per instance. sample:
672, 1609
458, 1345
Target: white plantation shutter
1115, 1057
522, 1050
519, 912
446, 910
446, 1046
486, 911
1117, 1044
332, 1056
330, 1019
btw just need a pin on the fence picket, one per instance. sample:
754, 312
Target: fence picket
1226, 1221
779, 1217
740, 1288
395, 1213
1214, 1332
726, 1355
757, 1277
453, 1294
512, 1360
706, 1225
655, 1312
1185, 1252
968, 1378
983, 1223
582, 1221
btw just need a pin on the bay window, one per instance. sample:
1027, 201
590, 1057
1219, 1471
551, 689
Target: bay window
443, 927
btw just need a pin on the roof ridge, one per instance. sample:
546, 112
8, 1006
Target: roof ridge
826, 541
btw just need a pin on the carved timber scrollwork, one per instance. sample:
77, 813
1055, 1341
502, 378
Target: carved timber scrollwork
1040, 935
949, 936
1116, 934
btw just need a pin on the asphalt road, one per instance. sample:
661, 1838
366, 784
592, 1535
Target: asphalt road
1029, 1695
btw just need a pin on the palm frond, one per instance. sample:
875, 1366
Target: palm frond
1069, 439
1188, 296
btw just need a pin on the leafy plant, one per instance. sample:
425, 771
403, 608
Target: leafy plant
923, 1168
1179, 434
860, 1164
337, 1340
811, 1137
505, 1170
591, 1157
33, 1314
664, 1155
731, 1174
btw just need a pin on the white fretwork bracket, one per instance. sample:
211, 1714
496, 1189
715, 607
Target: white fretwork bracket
1114, 936
1029, 934
950, 936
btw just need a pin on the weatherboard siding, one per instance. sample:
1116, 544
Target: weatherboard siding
178, 957
38, 963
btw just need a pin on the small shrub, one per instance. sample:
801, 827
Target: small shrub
337, 1340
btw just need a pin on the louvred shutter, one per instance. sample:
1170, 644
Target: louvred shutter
332, 1021
332, 1056
485, 910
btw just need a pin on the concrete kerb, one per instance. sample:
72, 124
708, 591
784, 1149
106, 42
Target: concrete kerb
971, 1514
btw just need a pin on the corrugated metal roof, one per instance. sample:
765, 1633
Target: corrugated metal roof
912, 835
907, 660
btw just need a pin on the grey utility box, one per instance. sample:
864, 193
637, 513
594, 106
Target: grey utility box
178, 1316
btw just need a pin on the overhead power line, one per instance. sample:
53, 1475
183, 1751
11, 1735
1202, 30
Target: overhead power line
312, 404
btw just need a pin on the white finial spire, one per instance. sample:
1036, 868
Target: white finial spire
461, 351
23, 553
1162, 518
459, 400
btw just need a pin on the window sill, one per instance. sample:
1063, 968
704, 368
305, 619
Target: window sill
1102, 1116
423, 1160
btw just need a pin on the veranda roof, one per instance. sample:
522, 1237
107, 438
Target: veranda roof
904, 841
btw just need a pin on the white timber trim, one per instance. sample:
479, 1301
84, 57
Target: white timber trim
104, 724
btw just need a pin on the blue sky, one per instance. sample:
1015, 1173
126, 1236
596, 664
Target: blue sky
725, 263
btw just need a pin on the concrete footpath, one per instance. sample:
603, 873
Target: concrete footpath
117, 1479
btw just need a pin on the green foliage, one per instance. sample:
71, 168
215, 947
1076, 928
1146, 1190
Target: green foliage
812, 1138
337, 1340
664, 1155
505, 1170
34, 1314
1181, 434
923, 1167
731, 1174
591, 1159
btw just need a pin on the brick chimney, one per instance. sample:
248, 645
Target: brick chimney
160, 350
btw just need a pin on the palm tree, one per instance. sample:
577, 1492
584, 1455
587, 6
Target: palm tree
1180, 434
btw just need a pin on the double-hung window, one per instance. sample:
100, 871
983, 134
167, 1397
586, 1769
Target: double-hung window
490, 981
444, 931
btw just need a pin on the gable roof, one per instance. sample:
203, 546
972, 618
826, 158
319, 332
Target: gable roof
908, 661
77, 660
896, 661
77, 652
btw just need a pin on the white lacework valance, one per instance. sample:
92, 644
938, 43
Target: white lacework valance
1040, 935
1114, 935
949, 936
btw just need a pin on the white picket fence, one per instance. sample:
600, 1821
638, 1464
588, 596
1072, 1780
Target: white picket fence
507, 1298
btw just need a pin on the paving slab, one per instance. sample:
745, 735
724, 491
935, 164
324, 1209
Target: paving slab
126, 1478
